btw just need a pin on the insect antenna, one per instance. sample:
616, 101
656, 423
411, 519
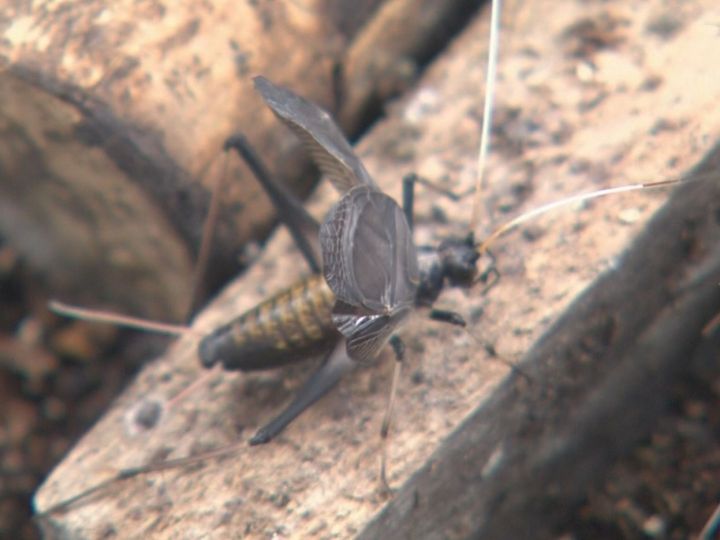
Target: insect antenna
208, 233
136, 323
514, 223
490, 79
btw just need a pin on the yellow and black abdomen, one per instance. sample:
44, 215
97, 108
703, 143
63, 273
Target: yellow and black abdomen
287, 327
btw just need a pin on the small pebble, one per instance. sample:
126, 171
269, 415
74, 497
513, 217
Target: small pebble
629, 216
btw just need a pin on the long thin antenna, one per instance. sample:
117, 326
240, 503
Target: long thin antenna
490, 78
532, 214
109, 317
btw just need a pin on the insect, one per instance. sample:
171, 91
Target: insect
373, 275
261, 469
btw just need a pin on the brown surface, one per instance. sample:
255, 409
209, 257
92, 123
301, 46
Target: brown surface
625, 110
112, 121
120, 122
109, 120
608, 368
384, 57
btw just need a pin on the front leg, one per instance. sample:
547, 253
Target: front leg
399, 349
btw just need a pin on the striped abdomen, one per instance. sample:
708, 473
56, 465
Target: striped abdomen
287, 327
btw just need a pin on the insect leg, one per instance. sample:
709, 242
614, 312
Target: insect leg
302, 226
320, 383
450, 317
491, 275
399, 350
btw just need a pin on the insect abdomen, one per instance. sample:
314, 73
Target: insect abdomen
290, 325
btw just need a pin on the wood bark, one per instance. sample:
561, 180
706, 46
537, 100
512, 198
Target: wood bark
113, 121
589, 95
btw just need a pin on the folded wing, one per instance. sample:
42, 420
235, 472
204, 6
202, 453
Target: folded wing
370, 263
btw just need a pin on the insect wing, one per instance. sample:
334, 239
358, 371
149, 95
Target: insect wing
370, 263
319, 134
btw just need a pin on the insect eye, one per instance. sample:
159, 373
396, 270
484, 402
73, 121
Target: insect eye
464, 276
459, 259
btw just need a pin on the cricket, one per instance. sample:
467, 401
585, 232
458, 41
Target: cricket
375, 271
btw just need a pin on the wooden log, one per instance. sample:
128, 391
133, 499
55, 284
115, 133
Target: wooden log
613, 110
115, 116
113, 124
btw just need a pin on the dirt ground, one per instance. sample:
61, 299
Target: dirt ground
51, 387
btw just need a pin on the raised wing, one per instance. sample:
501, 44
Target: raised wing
319, 134
370, 263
